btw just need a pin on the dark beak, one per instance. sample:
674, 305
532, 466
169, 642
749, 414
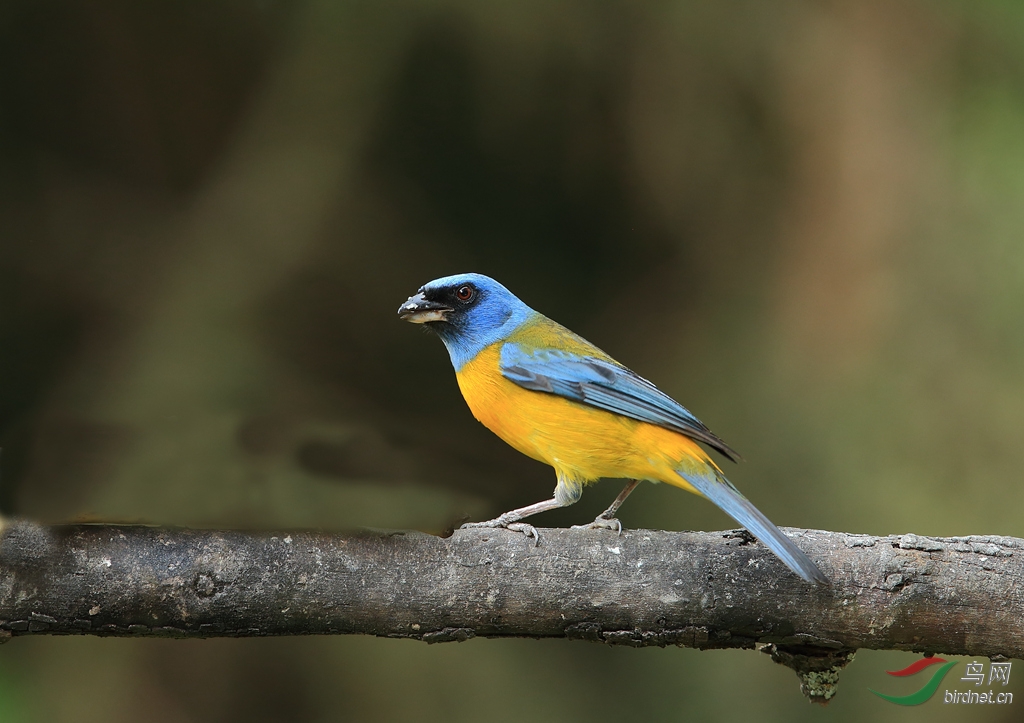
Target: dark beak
420, 310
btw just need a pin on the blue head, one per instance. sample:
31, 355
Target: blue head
468, 311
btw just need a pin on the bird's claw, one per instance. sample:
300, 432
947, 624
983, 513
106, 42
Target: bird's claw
527, 529
602, 523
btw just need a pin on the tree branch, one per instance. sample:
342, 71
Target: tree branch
960, 596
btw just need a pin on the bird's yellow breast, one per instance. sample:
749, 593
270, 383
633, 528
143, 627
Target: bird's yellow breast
581, 442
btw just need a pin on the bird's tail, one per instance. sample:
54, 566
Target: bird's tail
709, 481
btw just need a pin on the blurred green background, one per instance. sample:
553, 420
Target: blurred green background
804, 220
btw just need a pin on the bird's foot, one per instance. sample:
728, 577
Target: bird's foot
526, 529
602, 523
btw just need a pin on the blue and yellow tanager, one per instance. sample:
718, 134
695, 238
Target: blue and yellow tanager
556, 397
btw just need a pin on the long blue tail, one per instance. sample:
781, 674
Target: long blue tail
713, 485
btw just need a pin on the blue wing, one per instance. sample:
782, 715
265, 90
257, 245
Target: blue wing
605, 385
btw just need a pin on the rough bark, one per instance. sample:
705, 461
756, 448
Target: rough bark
957, 595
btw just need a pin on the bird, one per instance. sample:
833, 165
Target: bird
557, 398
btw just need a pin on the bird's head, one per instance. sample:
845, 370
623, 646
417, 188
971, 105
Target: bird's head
468, 311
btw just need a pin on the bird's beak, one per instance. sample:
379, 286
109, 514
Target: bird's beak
419, 310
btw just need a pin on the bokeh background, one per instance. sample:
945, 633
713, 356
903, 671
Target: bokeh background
802, 218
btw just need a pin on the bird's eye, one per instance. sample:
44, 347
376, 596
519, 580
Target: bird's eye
465, 293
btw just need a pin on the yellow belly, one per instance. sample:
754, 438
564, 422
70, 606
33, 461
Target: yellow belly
582, 443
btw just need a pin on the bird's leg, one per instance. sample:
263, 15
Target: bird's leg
510, 520
606, 520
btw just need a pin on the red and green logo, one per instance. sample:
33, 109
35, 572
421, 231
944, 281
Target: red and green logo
929, 688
